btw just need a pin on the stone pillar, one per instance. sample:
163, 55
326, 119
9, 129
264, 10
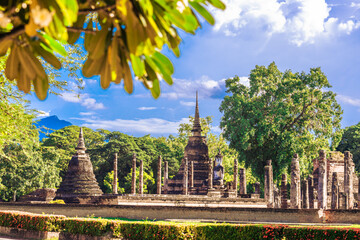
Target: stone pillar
277, 197
242, 178
235, 181
348, 180
257, 188
166, 176
186, 176
305, 194
192, 174
133, 176
335, 191
322, 182
141, 178
158, 186
295, 193
210, 180
311, 191
284, 191
115, 180
269, 185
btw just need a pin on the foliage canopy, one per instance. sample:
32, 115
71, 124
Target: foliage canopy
350, 141
119, 35
278, 115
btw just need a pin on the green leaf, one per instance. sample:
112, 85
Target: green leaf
53, 44
138, 65
155, 90
200, 9
41, 87
217, 4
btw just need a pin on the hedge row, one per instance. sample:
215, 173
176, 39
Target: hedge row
170, 230
36, 222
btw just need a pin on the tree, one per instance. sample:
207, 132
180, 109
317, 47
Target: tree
118, 34
350, 141
278, 115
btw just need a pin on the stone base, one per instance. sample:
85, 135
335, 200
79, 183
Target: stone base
214, 193
39, 195
28, 234
79, 199
230, 194
250, 195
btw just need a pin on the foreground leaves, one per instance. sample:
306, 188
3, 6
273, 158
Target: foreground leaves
124, 38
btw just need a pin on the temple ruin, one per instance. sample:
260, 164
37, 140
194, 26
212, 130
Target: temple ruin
197, 155
79, 180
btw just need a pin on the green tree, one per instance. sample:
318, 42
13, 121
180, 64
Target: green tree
350, 141
278, 115
118, 34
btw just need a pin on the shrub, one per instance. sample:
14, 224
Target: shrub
34, 222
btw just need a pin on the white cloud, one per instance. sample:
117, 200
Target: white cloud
87, 113
84, 99
302, 21
355, 5
187, 104
43, 113
349, 100
146, 108
149, 125
184, 88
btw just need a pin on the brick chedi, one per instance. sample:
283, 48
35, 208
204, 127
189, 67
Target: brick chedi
196, 151
79, 180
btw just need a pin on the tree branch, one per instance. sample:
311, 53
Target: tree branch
89, 10
14, 33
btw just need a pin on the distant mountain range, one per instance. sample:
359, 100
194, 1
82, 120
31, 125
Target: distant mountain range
48, 125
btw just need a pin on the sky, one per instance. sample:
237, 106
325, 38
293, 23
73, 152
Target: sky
295, 34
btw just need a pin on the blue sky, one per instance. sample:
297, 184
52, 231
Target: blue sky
296, 34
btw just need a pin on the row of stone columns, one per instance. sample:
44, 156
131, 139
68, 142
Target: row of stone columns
302, 193
141, 176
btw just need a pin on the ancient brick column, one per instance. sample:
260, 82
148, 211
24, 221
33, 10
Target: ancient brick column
257, 188
295, 193
335, 191
348, 180
242, 178
133, 176
158, 187
235, 181
311, 191
186, 176
210, 180
192, 174
322, 182
305, 194
115, 180
284, 191
141, 178
166, 176
269, 184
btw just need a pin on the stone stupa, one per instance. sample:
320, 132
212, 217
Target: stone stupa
197, 152
79, 180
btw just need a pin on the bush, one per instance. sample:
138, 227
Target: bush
34, 222
169, 230
321, 233
91, 227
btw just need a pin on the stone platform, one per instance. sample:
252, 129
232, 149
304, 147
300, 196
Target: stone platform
217, 213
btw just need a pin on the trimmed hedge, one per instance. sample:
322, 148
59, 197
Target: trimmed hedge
35, 222
328, 233
171, 230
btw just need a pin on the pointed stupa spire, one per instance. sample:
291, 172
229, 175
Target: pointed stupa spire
81, 143
196, 127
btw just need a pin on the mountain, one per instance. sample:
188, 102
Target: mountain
49, 124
